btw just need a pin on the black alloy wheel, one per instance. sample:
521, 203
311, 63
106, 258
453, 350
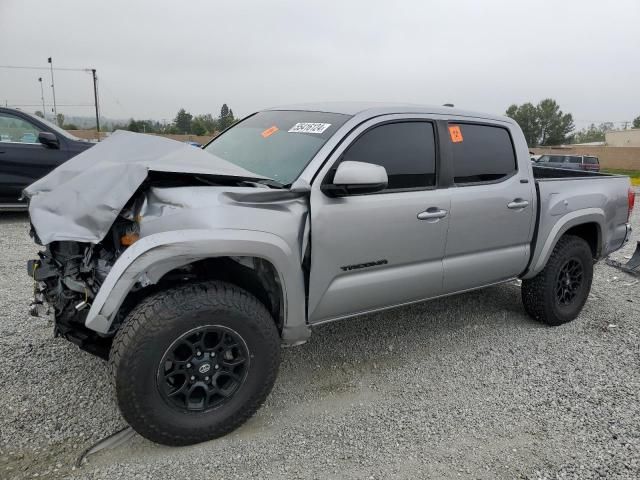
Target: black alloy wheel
557, 294
203, 368
194, 362
569, 281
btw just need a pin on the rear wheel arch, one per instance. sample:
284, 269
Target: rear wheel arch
586, 224
590, 232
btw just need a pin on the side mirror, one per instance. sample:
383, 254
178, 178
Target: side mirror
48, 139
355, 178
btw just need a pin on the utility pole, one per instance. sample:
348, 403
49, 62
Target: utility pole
44, 111
95, 98
53, 89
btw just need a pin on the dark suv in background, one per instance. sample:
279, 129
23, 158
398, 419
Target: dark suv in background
575, 162
30, 147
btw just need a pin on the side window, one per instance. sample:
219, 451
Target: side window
591, 160
17, 130
406, 150
572, 159
482, 153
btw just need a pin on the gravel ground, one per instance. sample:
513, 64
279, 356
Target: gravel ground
462, 387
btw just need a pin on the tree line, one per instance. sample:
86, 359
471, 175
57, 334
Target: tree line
542, 124
184, 123
545, 124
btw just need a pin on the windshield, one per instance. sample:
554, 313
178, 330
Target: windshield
276, 144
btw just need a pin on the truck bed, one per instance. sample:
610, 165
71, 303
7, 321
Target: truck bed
550, 173
598, 198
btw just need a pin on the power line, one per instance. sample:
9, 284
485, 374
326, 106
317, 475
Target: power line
50, 104
17, 67
92, 71
104, 88
600, 121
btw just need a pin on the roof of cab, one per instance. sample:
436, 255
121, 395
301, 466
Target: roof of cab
372, 109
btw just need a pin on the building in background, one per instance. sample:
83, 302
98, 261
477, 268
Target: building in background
623, 138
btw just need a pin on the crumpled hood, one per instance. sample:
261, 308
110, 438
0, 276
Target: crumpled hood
80, 200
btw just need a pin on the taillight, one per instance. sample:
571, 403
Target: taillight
632, 201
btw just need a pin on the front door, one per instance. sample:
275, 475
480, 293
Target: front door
383, 249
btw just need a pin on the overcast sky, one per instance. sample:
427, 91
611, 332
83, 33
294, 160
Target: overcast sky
153, 57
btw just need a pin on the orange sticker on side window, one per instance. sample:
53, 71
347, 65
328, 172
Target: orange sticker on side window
455, 133
269, 131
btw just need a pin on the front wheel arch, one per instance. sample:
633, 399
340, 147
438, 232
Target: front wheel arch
256, 275
152, 257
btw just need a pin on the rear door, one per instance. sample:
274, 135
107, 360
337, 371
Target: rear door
373, 251
492, 208
23, 159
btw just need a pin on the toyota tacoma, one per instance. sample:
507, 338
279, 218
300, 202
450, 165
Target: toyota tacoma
188, 269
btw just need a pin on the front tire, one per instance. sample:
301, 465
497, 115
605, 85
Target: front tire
194, 362
557, 294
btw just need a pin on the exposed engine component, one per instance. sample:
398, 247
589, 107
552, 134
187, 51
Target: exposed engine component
68, 275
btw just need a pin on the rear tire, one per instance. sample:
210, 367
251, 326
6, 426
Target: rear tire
557, 294
194, 362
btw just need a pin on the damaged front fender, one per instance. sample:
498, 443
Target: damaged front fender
146, 261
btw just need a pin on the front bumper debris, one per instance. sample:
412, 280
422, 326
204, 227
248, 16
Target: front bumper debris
38, 306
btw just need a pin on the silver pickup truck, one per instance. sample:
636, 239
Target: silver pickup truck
188, 268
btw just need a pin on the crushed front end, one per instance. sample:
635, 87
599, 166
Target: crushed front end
68, 275
86, 213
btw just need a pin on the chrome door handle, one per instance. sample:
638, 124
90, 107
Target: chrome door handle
433, 213
517, 203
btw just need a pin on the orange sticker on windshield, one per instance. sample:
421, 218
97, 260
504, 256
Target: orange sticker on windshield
455, 133
269, 131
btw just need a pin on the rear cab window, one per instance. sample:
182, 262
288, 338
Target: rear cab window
481, 153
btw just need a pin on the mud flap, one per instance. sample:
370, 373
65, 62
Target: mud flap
632, 266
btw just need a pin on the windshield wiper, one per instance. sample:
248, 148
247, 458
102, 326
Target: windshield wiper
214, 180
269, 183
